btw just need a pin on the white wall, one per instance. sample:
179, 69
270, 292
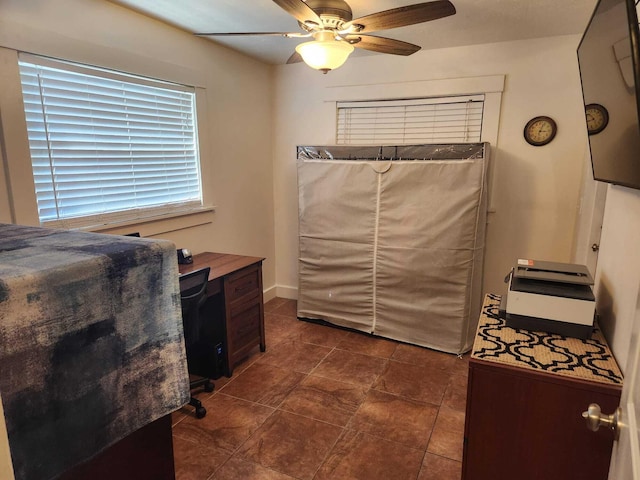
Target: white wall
618, 274
590, 214
235, 115
536, 188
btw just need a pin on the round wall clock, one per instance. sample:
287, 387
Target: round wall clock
540, 130
597, 118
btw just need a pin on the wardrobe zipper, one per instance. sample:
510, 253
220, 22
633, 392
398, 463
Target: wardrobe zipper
375, 256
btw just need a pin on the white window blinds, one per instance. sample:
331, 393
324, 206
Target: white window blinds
108, 147
415, 121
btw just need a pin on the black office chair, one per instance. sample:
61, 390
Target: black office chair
193, 290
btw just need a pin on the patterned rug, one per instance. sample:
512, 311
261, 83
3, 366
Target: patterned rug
589, 359
91, 345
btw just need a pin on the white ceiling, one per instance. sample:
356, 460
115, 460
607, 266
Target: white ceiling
476, 22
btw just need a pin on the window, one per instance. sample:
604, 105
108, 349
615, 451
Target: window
415, 121
108, 147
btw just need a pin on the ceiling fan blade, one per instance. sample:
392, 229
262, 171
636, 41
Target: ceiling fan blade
295, 58
403, 16
382, 44
300, 10
237, 34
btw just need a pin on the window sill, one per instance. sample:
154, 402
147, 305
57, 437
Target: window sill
159, 224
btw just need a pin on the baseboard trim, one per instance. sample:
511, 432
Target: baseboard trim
280, 291
284, 291
269, 294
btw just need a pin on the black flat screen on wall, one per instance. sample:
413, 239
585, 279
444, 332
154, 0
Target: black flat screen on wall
609, 61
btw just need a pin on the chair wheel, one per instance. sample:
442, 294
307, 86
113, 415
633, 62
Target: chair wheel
200, 412
208, 387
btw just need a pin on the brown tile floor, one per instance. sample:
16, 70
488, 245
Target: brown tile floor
324, 403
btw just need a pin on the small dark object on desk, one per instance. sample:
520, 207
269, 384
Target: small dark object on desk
184, 256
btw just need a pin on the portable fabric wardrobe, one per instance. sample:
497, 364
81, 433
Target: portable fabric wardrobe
391, 240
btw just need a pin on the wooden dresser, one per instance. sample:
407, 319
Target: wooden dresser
526, 393
235, 302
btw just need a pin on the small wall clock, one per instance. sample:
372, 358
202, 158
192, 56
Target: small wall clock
540, 131
597, 118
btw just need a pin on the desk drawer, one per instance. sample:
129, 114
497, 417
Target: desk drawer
243, 284
244, 327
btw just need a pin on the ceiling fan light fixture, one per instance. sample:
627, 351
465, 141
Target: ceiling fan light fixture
336, 32
325, 55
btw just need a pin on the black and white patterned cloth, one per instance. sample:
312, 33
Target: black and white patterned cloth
91, 343
589, 359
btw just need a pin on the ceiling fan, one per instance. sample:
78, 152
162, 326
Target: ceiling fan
336, 33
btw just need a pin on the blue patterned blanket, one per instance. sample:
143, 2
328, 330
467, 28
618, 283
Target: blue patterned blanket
91, 343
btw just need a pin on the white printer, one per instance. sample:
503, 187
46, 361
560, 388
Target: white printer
551, 297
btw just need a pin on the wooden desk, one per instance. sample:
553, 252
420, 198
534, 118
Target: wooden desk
237, 281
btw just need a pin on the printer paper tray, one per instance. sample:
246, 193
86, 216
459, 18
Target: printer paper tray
565, 290
551, 326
